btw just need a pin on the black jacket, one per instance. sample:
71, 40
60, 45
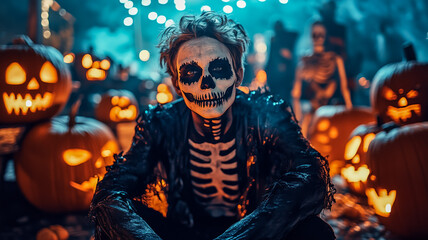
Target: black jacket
282, 179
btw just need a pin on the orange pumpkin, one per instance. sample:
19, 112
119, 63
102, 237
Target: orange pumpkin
117, 106
61, 161
330, 129
398, 191
400, 92
35, 83
356, 170
91, 68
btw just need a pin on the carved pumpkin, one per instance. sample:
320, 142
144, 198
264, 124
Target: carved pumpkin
398, 160
330, 129
400, 93
35, 83
91, 68
61, 161
356, 170
117, 106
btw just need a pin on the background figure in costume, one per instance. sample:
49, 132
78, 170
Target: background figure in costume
280, 65
320, 78
234, 165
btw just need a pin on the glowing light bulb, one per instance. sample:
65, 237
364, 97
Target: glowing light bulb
161, 19
128, 21
146, 2
169, 23
144, 55
28, 103
180, 6
227, 9
129, 4
133, 11
47, 34
205, 8
241, 4
153, 15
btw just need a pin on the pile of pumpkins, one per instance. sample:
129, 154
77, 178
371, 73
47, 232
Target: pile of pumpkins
61, 158
385, 157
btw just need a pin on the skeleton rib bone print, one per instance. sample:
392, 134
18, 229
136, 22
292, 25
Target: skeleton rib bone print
214, 176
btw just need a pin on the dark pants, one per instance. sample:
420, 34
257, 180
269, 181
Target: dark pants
311, 228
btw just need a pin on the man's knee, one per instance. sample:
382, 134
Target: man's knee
312, 227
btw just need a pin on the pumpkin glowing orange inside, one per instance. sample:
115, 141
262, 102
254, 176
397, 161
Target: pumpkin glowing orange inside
382, 202
21, 102
403, 111
76, 156
122, 109
96, 69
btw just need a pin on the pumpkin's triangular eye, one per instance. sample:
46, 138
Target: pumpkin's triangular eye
48, 73
351, 147
76, 156
388, 94
412, 94
15, 74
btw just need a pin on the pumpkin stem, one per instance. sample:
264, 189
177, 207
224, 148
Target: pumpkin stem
22, 40
409, 52
73, 112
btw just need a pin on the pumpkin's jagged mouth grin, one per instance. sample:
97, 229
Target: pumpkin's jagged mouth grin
210, 99
15, 103
88, 185
95, 74
403, 113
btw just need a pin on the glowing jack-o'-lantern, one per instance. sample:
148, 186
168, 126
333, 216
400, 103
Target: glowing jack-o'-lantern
382, 202
330, 128
400, 92
356, 171
34, 82
397, 157
117, 106
60, 162
91, 68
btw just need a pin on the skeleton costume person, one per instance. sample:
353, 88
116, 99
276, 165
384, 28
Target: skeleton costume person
323, 72
235, 164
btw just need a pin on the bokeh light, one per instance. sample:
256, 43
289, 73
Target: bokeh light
144, 55
161, 19
227, 9
153, 15
128, 21
146, 2
241, 4
129, 4
169, 23
163, 1
283, 1
205, 8
133, 11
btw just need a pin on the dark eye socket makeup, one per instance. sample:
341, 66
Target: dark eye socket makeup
220, 68
190, 72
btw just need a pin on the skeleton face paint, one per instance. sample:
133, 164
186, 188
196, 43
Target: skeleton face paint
318, 35
206, 76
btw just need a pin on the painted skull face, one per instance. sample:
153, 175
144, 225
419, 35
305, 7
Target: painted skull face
206, 77
318, 35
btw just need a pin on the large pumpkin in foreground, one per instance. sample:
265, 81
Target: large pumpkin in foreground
398, 158
330, 129
400, 93
35, 83
59, 165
